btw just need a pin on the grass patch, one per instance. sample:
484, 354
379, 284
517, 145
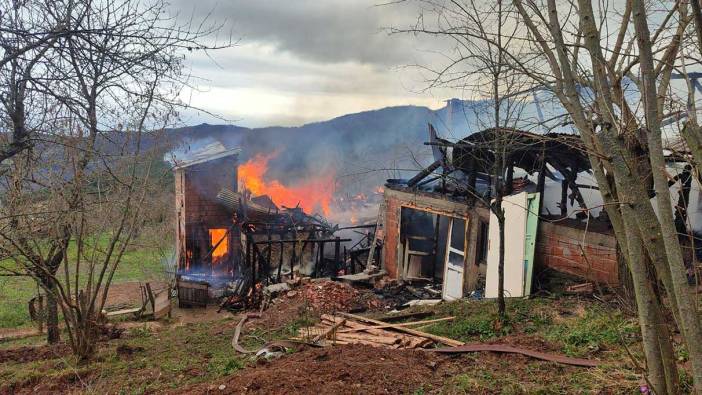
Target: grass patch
160, 361
139, 262
202, 353
598, 328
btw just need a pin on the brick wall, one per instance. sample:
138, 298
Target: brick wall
197, 207
558, 248
391, 227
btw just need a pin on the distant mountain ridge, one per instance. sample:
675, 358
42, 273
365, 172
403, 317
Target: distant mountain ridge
365, 148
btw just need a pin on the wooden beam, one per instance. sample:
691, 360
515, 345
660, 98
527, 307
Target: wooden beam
404, 324
440, 339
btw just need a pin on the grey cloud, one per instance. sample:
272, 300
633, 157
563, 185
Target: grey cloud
328, 31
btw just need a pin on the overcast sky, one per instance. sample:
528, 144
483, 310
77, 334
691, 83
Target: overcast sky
306, 60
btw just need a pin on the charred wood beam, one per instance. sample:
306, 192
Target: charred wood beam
541, 181
304, 240
337, 252
423, 174
685, 179
293, 259
570, 177
564, 198
510, 179
270, 249
280, 262
358, 227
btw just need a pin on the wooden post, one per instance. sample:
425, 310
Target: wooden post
293, 258
337, 253
541, 182
270, 250
254, 263
352, 271
472, 175
436, 247
509, 185
564, 198
280, 260
247, 258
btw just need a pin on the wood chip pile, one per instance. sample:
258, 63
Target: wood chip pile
346, 329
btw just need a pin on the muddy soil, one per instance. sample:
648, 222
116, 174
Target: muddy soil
337, 370
33, 353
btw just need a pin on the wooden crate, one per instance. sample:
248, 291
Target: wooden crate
192, 293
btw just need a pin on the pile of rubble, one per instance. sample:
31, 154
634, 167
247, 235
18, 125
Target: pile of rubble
330, 296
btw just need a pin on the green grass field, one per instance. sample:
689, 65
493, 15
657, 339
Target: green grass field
142, 261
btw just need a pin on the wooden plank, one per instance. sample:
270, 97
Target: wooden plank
440, 339
370, 338
475, 347
122, 312
402, 316
396, 325
162, 304
328, 331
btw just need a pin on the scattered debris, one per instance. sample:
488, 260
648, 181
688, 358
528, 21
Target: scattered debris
275, 289
422, 302
475, 347
584, 288
399, 295
352, 329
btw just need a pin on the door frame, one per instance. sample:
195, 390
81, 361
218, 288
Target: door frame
450, 249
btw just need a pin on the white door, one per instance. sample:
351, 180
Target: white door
515, 231
454, 265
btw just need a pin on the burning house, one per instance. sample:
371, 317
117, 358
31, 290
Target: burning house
232, 237
206, 241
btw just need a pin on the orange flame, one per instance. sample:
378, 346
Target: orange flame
313, 194
223, 248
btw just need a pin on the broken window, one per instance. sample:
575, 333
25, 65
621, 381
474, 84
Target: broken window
421, 237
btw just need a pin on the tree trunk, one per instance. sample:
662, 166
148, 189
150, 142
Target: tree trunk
690, 323
693, 138
501, 309
655, 343
52, 320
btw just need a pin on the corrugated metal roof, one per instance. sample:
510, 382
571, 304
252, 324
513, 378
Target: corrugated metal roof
215, 150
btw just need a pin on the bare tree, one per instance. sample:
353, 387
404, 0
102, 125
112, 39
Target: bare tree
477, 65
28, 32
611, 128
72, 200
592, 57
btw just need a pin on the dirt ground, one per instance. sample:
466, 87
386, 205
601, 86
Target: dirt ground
129, 293
363, 369
337, 370
32, 353
193, 353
